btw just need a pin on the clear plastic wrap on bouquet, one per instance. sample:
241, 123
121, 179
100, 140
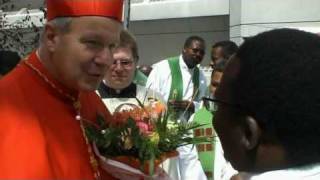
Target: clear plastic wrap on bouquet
125, 168
125, 172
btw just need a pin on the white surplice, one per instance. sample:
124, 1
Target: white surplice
307, 172
159, 80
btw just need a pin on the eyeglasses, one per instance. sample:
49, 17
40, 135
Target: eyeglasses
211, 104
126, 63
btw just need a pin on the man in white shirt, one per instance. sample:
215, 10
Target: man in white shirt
182, 85
268, 107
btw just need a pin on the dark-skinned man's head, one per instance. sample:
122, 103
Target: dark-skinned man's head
193, 51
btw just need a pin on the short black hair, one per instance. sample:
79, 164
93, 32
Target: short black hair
8, 60
190, 39
228, 48
279, 85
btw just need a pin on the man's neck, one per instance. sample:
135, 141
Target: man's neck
186, 64
267, 163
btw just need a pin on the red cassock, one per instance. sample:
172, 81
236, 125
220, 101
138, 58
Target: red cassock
39, 135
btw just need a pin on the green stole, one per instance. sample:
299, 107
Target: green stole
139, 78
176, 89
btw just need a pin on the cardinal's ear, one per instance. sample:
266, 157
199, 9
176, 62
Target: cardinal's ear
51, 37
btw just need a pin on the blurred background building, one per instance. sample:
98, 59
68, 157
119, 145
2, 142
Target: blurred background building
161, 26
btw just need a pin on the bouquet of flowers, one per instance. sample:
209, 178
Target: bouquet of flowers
138, 139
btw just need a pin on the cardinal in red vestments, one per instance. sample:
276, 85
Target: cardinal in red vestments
46, 99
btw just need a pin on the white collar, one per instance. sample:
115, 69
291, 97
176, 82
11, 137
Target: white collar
291, 173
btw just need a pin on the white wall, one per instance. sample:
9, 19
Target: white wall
249, 17
178, 9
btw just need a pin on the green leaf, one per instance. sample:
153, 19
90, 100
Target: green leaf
101, 121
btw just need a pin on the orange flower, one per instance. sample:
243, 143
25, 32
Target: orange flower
159, 107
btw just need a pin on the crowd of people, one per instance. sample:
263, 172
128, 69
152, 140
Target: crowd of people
261, 103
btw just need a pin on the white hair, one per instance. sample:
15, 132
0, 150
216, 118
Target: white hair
62, 23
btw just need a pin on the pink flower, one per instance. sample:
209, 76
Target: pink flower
143, 127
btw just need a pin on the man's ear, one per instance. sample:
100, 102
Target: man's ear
184, 50
252, 133
51, 37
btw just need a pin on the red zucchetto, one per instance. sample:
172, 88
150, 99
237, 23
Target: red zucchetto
74, 8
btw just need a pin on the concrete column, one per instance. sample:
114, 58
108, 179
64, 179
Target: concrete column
249, 17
